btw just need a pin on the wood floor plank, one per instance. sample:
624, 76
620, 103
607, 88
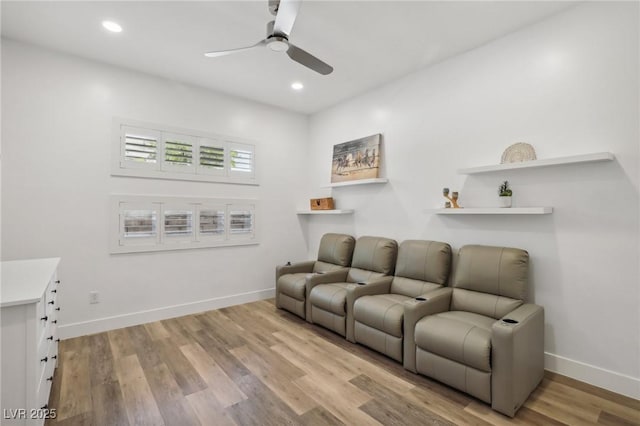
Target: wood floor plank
204, 404
173, 407
263, 407
121, 345
319, 417
229, 364
525, 416
255, 364
277, 375
101, 360
221, 387
157, 331
138, 399
390, 408
186, 376
108, 405
75, 389
340, 398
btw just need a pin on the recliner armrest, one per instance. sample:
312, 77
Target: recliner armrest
295, 268
379, 286
436, 301
338, 276
517, 357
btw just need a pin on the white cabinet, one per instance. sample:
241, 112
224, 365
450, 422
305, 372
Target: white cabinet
29, 320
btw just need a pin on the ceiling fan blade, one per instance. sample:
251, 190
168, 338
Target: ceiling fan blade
308, 60
230, 51
287, 13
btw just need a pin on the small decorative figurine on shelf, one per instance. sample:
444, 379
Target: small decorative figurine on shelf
453, 199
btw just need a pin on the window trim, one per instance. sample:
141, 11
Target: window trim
120, 202
162, 170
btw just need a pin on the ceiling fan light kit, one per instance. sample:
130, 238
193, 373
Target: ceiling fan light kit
278, 32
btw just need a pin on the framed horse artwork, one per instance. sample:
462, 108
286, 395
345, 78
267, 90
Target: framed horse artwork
356, 159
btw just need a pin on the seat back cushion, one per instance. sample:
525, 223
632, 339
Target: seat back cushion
357, 275
336, 249
321, 266
421, 266
375, 254
485, 304
500, 271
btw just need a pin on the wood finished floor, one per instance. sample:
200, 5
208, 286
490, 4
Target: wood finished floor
255, 365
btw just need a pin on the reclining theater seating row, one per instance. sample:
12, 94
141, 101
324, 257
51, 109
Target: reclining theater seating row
477, 335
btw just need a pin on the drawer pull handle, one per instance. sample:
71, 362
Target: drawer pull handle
54, 291
57, 281
54, 357
50, 338
54, 322
57, 340
57, 309
50, 379
51, 303
45, 359
44, 318
44, 407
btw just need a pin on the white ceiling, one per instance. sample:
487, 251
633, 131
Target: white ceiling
368, 43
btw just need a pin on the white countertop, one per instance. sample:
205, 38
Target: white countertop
24, 281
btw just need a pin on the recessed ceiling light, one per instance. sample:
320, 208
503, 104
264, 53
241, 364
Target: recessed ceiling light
296, 85
112, 26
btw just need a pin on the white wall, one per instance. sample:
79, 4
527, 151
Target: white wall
568, 85
57, 115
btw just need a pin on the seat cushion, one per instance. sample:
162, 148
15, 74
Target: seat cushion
463, 337
293, 285
384, 312
330, 297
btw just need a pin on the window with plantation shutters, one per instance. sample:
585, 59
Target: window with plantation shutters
151, 223
155, 151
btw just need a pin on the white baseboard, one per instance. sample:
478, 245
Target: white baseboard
84, 328
607, 379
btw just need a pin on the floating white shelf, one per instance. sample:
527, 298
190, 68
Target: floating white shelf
585, 158
495, 210
335, 211
357, 182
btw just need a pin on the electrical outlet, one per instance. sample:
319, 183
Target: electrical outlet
94, 297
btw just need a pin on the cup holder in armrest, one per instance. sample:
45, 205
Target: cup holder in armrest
509, 321
420, 299
361, 283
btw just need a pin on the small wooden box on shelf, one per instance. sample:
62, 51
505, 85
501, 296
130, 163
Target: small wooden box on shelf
322, 203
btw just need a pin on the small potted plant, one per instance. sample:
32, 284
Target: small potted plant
505, 194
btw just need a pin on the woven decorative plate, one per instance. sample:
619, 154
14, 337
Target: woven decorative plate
518, 152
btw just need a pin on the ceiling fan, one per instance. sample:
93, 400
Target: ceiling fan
277, 39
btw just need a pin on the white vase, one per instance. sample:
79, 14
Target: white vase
505, 201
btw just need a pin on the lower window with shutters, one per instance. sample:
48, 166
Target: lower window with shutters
148, 223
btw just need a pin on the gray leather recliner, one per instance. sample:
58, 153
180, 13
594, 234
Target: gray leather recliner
422, 266
334, 254
330, 296
478, 335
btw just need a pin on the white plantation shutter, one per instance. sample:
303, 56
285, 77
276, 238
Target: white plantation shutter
140, 148
212, 222
178, 153
211, 157
241, 160
139, 224
178, 223
241, 221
